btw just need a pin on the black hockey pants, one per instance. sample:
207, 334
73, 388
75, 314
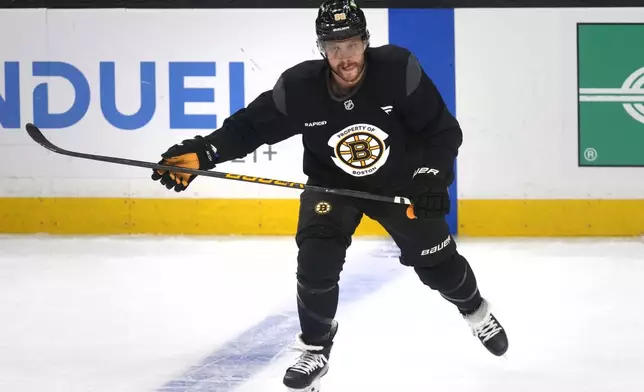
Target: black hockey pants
325, 229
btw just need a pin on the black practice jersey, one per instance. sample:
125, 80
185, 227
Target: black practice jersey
371, 140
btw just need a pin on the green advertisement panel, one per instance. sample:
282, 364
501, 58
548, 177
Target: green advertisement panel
611, 94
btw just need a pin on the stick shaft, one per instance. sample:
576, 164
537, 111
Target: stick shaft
36, 134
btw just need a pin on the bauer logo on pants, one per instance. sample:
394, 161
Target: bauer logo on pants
437, 248
322, 208
360, 149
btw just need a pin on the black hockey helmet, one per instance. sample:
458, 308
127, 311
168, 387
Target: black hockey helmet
341, 19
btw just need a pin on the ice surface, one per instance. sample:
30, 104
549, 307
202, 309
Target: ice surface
216, 314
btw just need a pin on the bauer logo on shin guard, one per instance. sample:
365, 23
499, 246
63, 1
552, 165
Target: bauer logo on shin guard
437, 248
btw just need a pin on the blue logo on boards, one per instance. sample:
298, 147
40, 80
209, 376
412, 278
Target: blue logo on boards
178, 95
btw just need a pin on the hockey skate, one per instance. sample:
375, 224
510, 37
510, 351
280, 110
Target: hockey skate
311, 365
488, 329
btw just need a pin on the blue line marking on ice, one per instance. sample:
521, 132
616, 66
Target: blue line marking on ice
238, 360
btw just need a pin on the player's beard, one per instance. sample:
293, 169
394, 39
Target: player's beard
349, 71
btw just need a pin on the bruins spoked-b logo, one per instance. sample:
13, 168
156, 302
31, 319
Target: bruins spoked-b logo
322, 208
360, 149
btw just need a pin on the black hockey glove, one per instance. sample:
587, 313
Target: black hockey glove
195, 153
429, 194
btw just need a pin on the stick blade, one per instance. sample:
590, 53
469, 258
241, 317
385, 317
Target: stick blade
36, 134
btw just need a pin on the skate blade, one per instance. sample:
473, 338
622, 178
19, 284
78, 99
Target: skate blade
315, 387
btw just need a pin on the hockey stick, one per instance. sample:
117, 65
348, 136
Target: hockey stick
36, 134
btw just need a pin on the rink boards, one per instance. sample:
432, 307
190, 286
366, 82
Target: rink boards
540, 156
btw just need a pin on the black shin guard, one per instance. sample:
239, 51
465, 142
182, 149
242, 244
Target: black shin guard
455, 281
326, 224
320, 261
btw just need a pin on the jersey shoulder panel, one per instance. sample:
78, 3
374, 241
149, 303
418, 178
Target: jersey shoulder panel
292, 80
306, 70
390, 54
389, 65
400, 64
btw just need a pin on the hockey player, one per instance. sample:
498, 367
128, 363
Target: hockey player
370, 120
